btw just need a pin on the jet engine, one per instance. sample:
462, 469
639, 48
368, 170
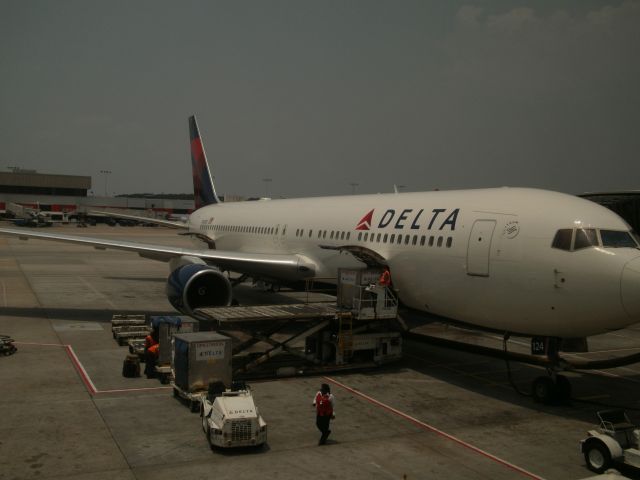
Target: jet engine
196, 285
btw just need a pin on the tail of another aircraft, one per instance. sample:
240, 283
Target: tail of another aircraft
203, 189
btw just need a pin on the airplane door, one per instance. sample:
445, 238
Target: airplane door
480, 247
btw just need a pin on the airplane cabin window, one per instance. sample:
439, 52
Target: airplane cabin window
399, 239
562, 240
392, 238
439, 241
384, 239
617, 239
585, 237
359, 236
378, 239
348, 235
422, 239
449, 241
342, 236
431, 238
331, 237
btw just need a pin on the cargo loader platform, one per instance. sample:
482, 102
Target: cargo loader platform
301, 339
241, 315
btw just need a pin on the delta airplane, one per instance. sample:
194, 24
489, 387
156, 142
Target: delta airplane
518, 260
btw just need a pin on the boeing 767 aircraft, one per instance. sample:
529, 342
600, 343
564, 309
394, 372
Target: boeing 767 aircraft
526, 261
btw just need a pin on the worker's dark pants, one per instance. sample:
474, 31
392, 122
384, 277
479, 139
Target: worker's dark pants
150, 365
322, 422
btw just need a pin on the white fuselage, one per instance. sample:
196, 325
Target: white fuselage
483, 257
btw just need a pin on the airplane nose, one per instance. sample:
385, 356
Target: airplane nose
630, 288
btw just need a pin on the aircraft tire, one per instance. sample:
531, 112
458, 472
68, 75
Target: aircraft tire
543, 390
211, 445
563, 389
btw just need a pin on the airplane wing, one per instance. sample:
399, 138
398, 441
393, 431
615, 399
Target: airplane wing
287, 266
164, 223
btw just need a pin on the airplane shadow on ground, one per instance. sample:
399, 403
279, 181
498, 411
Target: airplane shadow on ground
79, 314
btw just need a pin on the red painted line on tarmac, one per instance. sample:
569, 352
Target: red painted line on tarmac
433, 429
81, 371
84, 376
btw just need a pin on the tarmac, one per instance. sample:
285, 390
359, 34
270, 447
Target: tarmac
67, 412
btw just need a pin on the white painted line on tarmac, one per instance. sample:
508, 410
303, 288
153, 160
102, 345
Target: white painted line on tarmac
126, 390
433, 429
614, 350
613, 375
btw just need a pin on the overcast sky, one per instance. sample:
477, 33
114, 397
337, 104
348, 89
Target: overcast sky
320, 94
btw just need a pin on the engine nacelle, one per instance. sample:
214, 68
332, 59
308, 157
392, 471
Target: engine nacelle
194, 286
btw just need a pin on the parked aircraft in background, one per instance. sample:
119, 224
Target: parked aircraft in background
516, 260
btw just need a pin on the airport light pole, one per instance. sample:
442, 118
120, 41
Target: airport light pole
353, 187
267, 181
106, 176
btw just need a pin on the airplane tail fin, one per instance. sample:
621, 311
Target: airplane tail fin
203, 190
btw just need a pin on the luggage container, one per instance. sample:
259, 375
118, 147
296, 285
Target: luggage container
200, 358
168, 326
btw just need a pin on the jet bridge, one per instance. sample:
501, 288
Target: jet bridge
359, 330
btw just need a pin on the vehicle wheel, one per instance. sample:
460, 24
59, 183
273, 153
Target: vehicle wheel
543, 390
209, 441
563, 389
205, 423
597, 456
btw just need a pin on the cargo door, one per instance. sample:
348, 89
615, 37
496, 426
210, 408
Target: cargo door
480, 247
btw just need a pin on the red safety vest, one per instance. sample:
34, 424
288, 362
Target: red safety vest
323, 405
385, 279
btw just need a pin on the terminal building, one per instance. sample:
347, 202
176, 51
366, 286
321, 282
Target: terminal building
625, 204
72, 194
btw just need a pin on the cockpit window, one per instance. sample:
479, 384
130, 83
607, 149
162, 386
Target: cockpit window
616, 239
562, 240
585, 237
636, 237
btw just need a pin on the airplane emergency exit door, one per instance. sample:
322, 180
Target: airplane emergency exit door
480, 247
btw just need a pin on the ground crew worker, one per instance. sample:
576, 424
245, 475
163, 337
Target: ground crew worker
385, 278
151, 352
324, 402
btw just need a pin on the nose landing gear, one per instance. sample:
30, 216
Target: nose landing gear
552, 389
